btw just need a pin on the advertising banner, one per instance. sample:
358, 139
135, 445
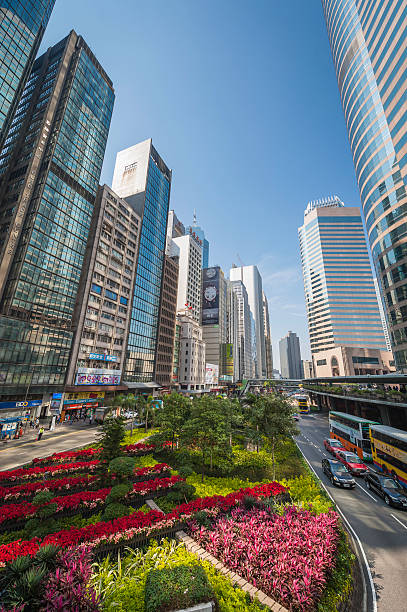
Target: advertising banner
85, 395
228, 348
102, 357
211, 374
210, 296
96, 376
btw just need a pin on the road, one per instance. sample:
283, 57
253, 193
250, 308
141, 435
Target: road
382, 530
65, 437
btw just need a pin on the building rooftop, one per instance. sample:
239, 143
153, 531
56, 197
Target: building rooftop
332, 201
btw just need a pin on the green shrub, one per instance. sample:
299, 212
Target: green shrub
118, 492
218, 486
115, 510
43, 521
202, 518
185, 471
122, 467
176, 587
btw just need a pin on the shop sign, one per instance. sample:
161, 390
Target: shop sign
96, 376
57, 396
30, 404
85, 395
100, 357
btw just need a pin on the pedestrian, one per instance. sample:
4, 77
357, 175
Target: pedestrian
90, 419
37, 423
41, 431
21, 430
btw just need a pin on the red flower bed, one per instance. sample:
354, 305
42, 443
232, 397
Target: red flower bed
38, 472
288, 557
29, 489
128, 527
88, 453
85, 499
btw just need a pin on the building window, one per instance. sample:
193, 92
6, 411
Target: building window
123, 300
96, 288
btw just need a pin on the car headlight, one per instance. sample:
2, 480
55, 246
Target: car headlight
336, 478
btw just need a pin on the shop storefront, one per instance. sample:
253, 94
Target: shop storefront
14, 417
82, 405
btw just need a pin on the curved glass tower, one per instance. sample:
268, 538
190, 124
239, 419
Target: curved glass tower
369, 49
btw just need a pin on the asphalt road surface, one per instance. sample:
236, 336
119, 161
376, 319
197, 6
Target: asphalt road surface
382, 530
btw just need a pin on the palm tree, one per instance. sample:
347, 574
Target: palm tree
128, 404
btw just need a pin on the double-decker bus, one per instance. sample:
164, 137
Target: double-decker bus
353, 432
389, 450
302, 404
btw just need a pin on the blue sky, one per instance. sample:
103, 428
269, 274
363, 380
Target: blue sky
241, 101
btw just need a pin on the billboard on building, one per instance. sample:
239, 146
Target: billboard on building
211, 374
227, 350
97, 376
210, 296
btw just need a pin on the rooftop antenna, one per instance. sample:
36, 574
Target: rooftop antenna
194, 216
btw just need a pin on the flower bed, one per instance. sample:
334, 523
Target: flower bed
87, 453
22, 474
289, 557
69, 485
136, 527
86, 500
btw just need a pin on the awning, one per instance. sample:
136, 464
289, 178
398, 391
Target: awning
143, 385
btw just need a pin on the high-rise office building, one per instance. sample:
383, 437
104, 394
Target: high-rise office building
166, 322
340, 295
22, 26
290, 356
250, 277
231, 350
50, 178
142, 178
267, 338
244, 330
191, 369
307, 368
368, 43
102, 317
196, 230
189, 251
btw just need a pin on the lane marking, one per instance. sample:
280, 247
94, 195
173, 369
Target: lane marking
364, 491
369, 574
396, 519
35, 442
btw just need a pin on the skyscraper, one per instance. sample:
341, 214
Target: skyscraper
368, 43
50, 178
102, 317
250, 277
340, 295
267, 338
290, 356
142, 178
244, 330
189, 250
22, 25
196, 230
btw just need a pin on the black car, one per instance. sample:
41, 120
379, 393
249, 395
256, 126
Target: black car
338, 474
388, 488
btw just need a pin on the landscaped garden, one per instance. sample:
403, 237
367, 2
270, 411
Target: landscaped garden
77, 531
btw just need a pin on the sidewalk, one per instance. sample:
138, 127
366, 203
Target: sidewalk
15, 453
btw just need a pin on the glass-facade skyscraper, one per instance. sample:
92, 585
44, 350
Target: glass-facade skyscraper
49, 173
340, 294
22, 25
142, 178
290, 356
369, 48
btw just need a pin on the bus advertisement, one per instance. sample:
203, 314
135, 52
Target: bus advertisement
389, 450
352, 432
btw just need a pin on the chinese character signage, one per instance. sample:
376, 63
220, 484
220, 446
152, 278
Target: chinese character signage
100, 357
96, 376
210, 296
